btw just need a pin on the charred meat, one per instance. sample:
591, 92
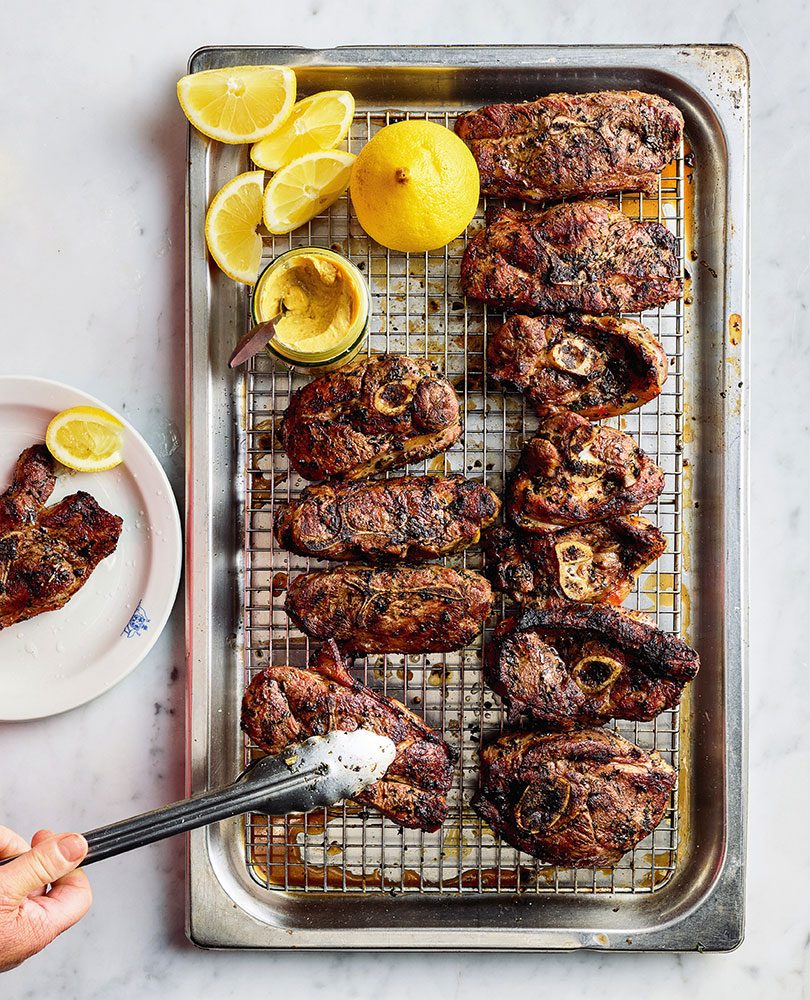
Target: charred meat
582, 665
427, 609
411, 517
47, 553
573, 472
576, 800
32, 483
376, 413
585, 256
284, 705
592, 562
570, 145
598, 366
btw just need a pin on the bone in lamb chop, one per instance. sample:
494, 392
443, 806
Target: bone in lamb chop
591, 562
574, 472
376, 413
586, 256
597, 366
577, 800
407, 517
47, 553
284, 705
584, 664
570, 145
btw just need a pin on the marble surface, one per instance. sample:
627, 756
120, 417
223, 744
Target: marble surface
91, 200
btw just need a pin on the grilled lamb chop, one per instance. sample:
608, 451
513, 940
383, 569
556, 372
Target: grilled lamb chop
586, 257
284, 705
598, 366
570, 145
427, 609
573, 472
577, 800
376, 413
593, 562
581, 665
412, 517
47, 553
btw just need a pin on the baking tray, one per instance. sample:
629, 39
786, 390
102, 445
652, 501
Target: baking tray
347, 877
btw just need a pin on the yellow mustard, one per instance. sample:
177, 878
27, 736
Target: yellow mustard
324, 305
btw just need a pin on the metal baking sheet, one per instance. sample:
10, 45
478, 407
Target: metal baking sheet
347, 876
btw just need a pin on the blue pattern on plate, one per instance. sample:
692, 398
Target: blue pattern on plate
138, 623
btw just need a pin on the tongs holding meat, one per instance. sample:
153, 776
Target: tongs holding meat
315, 773
284, 704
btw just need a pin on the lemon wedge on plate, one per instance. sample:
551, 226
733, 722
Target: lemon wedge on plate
316, 123
85, 438
231, 226
238, 103
304, 188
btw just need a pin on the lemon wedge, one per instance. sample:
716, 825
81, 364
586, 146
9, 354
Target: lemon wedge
231, 223
317, 123
85, 438
238, 103
305, 187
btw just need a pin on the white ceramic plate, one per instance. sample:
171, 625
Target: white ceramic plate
61, 659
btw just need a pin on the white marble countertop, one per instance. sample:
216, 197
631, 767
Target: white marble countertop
92, 160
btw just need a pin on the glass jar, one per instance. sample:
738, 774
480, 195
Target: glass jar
346, 342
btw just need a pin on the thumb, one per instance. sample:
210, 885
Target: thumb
50, 860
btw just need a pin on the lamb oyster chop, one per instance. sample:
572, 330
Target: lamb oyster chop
590, 562
582, 665
409, 517
408, 609
577, 799
570, 145
47, 553
376, 413
586, 256
597, 366
284, 705
574, 472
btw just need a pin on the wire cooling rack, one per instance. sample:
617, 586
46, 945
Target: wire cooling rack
418, 308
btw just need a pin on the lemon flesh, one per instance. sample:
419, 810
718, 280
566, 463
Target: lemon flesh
85, 438
317, 123
415, 186
305, 188
231, 225
238, 103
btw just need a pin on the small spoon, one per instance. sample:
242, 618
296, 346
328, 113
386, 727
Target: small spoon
254, 341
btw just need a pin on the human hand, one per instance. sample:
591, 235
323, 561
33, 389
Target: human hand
31, 915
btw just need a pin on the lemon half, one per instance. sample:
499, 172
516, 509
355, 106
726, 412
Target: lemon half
304, 188
238, 103
317, 123
85, 438
415, 186
231, 225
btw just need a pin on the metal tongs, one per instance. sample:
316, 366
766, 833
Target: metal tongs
319, 772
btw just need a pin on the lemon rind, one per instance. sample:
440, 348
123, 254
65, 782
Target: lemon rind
225, 192
280, 228
65, 457
342, 96
227, 136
